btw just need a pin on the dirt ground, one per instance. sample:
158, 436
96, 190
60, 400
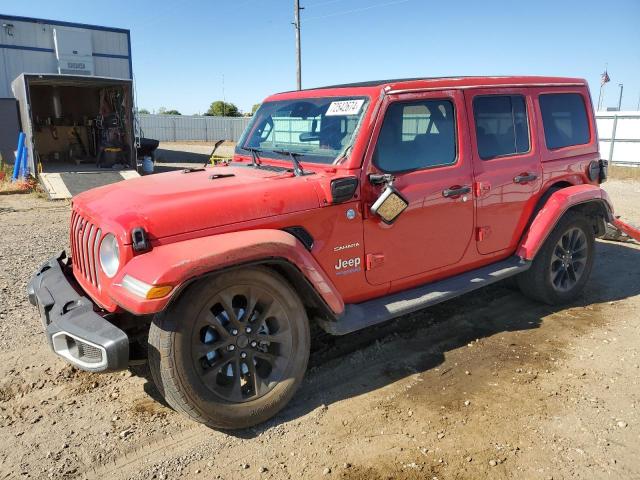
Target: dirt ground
490, 385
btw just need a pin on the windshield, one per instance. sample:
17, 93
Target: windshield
318, 130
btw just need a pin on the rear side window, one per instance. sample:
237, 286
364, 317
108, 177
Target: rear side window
502, 127
416, 135
564, 117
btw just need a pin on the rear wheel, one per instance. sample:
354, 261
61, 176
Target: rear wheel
232, 350
563, 265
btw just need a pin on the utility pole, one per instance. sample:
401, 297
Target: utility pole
604, 79
296, 24
620, 97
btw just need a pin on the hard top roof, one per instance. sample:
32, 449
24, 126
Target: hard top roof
444, 82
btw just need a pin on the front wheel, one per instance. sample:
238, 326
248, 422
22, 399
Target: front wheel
232, 351
562, 267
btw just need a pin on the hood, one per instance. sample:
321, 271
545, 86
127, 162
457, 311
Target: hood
181, 202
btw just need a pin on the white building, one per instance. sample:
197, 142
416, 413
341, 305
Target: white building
31, 45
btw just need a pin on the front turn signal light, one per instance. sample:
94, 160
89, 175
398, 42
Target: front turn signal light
144, 290
159, 291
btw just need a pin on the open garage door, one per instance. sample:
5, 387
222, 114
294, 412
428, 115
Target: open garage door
79, 131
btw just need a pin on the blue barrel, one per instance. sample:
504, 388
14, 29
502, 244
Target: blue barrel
147, 164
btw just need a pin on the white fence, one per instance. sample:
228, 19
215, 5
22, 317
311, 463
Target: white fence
619, 134
177, 128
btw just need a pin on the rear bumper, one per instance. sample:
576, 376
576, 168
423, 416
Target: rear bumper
74, 330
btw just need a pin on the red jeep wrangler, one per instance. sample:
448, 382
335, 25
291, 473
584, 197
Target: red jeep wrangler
346, 205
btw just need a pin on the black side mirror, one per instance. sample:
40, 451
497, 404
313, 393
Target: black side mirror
381, 178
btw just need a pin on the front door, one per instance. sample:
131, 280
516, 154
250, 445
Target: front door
507, 165
419, 141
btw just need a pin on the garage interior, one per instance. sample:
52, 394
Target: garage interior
81, 126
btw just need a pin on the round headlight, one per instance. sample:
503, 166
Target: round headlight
109, 255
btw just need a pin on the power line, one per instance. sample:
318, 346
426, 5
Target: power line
323, 3
296, 23
356, 10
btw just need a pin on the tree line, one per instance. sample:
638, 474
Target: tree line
216, 109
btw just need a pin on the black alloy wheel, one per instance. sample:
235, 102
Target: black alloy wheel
232, 350
569, 260
563, 264
241, 343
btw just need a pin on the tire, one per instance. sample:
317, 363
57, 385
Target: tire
557, 279
197, 370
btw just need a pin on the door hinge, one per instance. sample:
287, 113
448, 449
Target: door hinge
481, 189
366, 210
482, 233
374, 260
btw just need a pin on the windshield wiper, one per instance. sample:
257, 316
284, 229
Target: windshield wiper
297, 168
255, 155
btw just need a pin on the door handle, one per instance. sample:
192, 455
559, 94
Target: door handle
525, 178
456, 191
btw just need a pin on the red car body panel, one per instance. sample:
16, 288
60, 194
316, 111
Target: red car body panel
502, 206
557, 204
400, 252
179, 262
190, 202
198, 224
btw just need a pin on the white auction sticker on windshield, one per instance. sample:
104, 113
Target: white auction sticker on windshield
344, 107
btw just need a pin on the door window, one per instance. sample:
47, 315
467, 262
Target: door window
416, 135
501, 125
564, 118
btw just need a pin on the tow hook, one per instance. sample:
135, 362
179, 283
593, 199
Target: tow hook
630, 230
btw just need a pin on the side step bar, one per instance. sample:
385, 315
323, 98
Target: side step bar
379, 310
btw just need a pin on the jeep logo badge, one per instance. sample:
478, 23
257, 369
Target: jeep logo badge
350, 265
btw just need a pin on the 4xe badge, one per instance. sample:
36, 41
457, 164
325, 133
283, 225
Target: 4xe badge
347, 266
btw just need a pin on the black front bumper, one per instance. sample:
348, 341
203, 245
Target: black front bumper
74, 330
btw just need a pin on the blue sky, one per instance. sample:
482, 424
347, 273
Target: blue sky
182, 49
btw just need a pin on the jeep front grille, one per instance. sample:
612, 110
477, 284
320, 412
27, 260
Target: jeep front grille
85, 242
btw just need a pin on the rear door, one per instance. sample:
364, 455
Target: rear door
417, 140
506, 162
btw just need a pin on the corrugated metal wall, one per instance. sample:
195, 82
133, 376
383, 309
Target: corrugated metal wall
619, 135
176, 128
27, 47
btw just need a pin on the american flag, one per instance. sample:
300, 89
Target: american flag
604, 78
